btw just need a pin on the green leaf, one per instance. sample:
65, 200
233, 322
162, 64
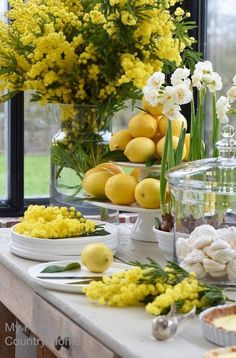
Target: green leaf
180, 147
151, 161
116, 155
154, 175
56, 268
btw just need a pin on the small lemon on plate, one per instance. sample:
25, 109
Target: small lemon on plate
176, 125
147, 193
94, 183
161, 144
142, 125
120, 189
97, 257
120, 139
153, 110
140, 149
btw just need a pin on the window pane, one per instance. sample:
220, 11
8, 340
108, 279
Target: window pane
221, 44
3, 161
3, 134
40, 126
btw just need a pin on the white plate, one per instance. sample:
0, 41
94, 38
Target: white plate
39, 256
67, 250
63, 284
111, 228
133, 208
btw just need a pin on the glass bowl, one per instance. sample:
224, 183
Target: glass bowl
204, 194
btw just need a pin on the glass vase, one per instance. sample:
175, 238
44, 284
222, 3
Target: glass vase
77, 147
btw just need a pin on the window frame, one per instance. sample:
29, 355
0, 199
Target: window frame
15, 204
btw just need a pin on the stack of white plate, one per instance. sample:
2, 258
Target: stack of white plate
60, 249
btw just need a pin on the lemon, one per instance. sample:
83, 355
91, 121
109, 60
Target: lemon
94, 183
142, 125
113, 168
120, 139
139, 150
120, 189
187, 145
136, 173
154, 111
97, 257
161, 143
147, 193
176, 125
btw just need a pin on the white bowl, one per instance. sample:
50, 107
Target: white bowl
43, 248
166, 242
214, 334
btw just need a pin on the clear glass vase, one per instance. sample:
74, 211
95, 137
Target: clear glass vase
76, 148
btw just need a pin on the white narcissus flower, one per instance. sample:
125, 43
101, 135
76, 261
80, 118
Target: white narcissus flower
180, 76
222, 108
215, 83
196, 79
171, 111
156, 80
234, 79
168, 95
182, 94
231, 94
152, 95
204, 67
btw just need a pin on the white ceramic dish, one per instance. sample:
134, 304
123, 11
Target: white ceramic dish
64, 284
214, 334
166, 242
68, 250
42, 257
111, 228
56, 249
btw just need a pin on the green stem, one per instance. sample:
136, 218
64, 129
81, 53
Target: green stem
192, 128
171, 156
215, 127
163, 181
199, 148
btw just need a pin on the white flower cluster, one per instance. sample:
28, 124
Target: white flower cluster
181, 90
205, 77
223, 105
171, 97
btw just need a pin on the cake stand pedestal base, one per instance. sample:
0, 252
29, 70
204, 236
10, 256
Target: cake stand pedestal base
143, 227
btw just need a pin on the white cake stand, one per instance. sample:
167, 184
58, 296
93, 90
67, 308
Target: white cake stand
143, 227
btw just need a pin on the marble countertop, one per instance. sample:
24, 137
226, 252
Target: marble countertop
126, 331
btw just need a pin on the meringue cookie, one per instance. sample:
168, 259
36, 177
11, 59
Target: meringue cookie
231, 270
229, 235
182, 248
224, 255
208, 251
219, 244
214, 268
201, 242
194, 257
197, 268
206, 232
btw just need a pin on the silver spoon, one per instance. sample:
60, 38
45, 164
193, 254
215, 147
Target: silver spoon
164, 327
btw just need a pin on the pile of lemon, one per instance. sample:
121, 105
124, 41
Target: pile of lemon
108, 181
145, 136
143, 139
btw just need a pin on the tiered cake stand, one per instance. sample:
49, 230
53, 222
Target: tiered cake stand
143, 227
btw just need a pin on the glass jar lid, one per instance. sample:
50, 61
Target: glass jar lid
212, 174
